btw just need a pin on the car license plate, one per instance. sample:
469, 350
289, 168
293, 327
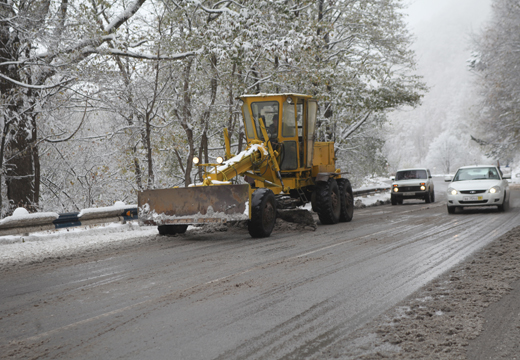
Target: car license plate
472, 198
408, 193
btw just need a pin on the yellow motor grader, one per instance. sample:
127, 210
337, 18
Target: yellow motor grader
282, 165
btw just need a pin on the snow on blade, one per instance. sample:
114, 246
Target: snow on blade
193, 219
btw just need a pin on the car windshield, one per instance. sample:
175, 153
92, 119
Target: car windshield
411, 174
480, 173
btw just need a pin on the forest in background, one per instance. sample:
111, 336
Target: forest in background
99, 100
468, 56
496, 65
102, 99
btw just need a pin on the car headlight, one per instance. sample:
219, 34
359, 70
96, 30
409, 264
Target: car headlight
494, 189
452, 191
396, 189
423, 187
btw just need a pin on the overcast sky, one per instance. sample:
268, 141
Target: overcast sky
442, 31
466, 13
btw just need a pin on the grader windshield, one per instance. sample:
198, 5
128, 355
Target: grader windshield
268, 112
289, 120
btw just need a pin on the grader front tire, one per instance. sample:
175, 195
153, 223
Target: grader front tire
263, 213
328, 201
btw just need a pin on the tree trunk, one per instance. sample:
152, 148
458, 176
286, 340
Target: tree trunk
203, 150
130, 120
148, 136
19, 155
137, 167
186, 119
5, 131
231, 100
36, 162
20, 168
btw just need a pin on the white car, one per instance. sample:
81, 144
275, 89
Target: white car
413, 183
481, 185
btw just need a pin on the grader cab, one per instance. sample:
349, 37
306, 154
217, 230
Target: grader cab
282, 167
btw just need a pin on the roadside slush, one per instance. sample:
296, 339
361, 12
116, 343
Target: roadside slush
470, 312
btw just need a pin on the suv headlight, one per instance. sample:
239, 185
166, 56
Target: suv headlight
452, 191
494, 189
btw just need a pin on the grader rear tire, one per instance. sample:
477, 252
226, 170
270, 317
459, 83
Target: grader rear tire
263, 213
328, 201
172, 229
347, 200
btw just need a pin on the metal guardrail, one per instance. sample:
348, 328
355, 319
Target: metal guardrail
66, 220
24, 226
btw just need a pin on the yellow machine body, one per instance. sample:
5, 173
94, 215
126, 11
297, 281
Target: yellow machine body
281, 155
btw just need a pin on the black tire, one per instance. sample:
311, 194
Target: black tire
505, 204
451, 209
428, 198
400, 201
172, 229
328, 201
433, 195
393, 199
347, 200
263, 213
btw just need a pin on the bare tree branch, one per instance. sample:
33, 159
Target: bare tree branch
75, 131
36, 87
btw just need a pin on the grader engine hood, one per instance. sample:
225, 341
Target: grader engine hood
194, 205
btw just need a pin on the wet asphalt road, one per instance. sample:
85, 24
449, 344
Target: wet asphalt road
224, 295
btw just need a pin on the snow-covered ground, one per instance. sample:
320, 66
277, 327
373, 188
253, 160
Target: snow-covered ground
374, 182
63, 242
37, 246
374, 199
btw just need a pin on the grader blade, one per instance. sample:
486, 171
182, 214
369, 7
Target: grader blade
194, 205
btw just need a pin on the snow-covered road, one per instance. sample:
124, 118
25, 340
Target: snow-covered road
16, 249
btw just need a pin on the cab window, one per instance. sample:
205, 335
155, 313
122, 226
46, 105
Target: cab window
249, 125
299, 118
268, 112
289, 120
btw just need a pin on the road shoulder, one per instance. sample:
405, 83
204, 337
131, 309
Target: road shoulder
472, 309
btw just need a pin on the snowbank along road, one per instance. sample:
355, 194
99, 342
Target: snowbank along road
219, 294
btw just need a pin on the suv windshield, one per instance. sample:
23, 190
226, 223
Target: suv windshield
480, 173
411, 174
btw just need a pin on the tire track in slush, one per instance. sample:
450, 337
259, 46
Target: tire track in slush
302, 328
295, 283
434, 244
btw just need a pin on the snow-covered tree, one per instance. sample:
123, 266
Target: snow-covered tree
447, 152
119, 97
47, 47
496, 62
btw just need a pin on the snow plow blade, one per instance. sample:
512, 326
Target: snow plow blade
194, 205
